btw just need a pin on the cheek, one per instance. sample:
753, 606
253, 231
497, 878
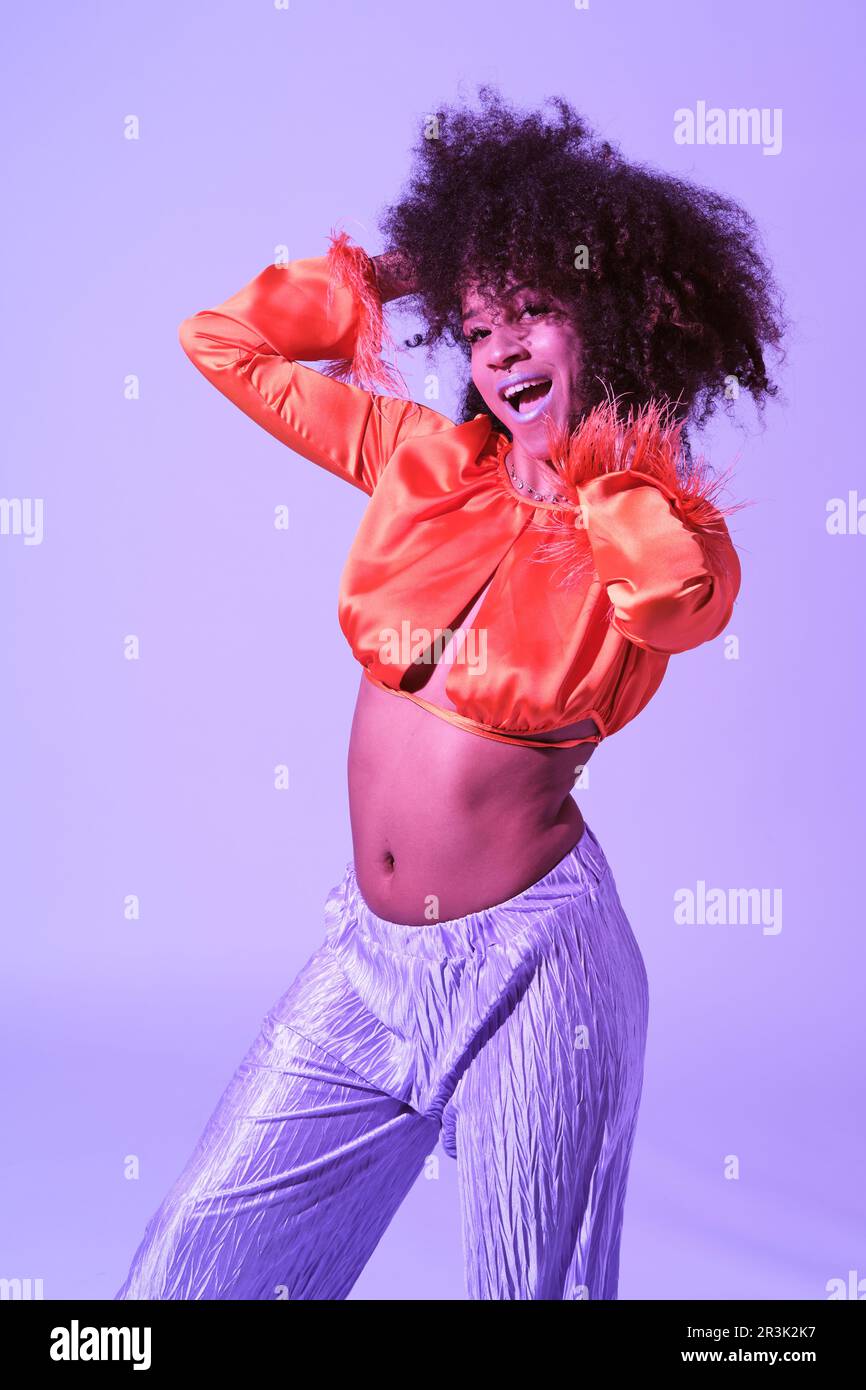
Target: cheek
484, 383
562, 349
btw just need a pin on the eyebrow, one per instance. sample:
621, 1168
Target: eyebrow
509, 294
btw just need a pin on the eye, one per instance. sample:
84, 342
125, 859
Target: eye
535, 306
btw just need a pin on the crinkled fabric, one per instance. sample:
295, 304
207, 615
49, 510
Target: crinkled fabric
515, 1035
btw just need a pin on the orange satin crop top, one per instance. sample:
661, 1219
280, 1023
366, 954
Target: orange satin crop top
587, 600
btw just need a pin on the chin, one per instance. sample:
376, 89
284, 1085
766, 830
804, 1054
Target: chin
534, 434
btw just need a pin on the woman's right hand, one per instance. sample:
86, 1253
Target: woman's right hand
393, 275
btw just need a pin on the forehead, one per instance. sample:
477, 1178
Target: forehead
476, 299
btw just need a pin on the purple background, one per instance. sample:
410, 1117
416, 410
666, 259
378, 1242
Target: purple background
261, 127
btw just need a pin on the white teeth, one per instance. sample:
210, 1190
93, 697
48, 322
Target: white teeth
522, 386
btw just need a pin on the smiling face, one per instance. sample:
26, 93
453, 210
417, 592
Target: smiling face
526, 360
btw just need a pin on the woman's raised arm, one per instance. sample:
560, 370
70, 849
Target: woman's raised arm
325, 307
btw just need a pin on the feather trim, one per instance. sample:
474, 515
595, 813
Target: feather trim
649, 442
351, 268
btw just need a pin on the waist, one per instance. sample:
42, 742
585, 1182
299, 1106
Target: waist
465, 820
576, 871
484, 730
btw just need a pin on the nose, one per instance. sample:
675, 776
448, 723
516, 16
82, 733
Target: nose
504, 347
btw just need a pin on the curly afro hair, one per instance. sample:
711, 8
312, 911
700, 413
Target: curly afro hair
669, 287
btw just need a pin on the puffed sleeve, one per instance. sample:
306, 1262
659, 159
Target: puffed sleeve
672, 580
324, 307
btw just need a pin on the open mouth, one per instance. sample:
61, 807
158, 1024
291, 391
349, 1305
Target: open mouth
526, 395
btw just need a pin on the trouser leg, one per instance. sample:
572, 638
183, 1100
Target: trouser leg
544, 1118
297, 1175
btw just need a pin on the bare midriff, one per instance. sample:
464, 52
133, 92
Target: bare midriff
447, 822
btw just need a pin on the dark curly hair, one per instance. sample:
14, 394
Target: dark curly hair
676, 298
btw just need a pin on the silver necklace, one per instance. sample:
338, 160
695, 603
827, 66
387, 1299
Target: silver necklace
539, 496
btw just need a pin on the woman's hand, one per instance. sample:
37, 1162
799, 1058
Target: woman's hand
393, 275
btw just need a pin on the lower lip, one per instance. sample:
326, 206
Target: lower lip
525, 416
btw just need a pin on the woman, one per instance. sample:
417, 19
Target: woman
517, 585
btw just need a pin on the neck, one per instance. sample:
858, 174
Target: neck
538, 472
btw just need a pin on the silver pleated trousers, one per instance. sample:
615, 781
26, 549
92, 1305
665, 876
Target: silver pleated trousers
515, 1035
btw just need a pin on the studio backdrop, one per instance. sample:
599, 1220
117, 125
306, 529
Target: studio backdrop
178, 695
